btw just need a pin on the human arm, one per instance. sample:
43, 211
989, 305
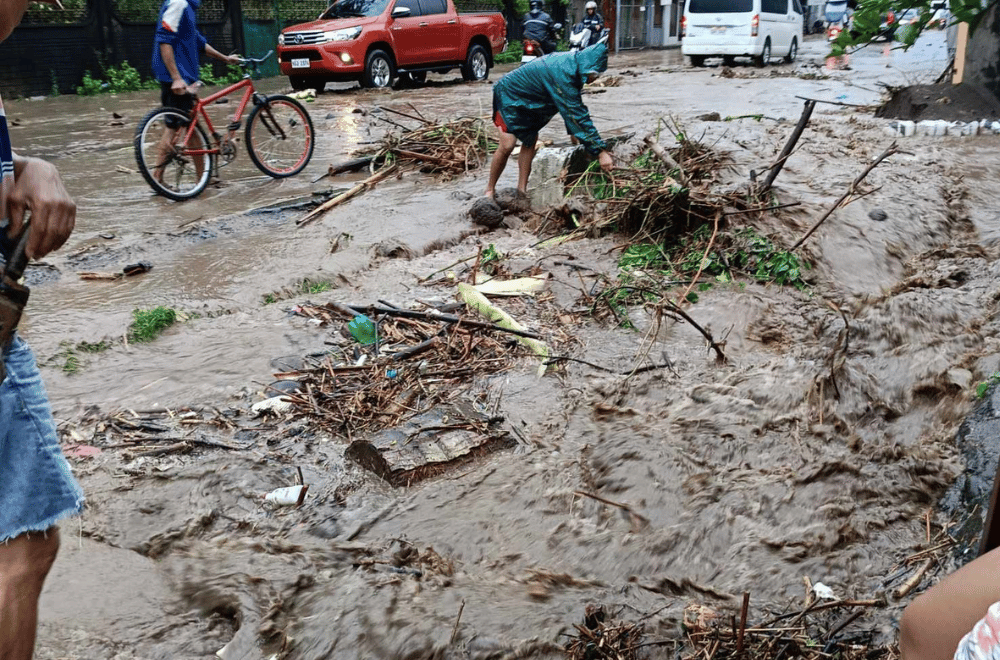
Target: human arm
569, 103
216, 55
935, 622
38, 188
178, 84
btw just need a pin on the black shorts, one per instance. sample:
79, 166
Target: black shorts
183, 102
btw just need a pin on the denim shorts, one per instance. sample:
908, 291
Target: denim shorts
36, 486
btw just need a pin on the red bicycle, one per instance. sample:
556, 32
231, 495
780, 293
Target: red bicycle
178, 158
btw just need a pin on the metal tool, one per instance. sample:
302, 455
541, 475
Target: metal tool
13, 294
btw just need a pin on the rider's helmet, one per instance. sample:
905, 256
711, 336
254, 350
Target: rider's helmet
536, 5
590, 6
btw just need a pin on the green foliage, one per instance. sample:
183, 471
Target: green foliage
869, 15
490, 259
270, 299
90, 86
67, 358
232, 75
511, 54
93, 347
309, 286
54, 91
758, 255
124, 78
984, 387
644, 256
148, 324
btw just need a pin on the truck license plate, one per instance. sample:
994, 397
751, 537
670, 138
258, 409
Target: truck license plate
300, 63
715, 30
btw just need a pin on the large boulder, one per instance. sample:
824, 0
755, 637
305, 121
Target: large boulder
486, 212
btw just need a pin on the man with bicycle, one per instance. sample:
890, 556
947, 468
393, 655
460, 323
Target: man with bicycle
177, 48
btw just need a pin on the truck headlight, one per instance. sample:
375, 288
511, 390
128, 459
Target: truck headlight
281, 40
343, 35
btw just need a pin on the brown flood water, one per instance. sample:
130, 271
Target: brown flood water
752, 475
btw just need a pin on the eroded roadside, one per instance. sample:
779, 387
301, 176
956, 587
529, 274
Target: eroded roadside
750, 476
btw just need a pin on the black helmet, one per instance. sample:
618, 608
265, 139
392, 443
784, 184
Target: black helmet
536, 5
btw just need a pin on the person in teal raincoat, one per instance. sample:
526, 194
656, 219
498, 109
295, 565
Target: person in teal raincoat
527, 98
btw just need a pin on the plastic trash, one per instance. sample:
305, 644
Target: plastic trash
390, 373
363, 329
278, 405
823, 592
288, 496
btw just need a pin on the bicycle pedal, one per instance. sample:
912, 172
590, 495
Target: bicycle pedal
235, 126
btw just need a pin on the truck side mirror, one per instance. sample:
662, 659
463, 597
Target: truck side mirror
400, 12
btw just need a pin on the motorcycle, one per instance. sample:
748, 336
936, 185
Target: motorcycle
532, 49
836, 17
581, 37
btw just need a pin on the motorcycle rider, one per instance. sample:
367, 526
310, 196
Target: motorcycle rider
538, 27
593, 21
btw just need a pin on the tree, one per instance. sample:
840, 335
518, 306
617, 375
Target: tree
869, 15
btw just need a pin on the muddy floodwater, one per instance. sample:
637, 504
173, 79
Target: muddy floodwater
815, 452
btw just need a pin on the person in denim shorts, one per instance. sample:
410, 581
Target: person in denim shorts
36, 486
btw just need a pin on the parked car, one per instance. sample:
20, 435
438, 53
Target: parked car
741, 28
374, 41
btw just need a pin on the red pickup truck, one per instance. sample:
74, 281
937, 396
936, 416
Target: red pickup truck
375, 40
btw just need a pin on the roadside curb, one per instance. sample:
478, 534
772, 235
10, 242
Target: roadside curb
941, 128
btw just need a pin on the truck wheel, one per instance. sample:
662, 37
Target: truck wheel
765, 54
697, 60
792, 51
477, 64
379, 70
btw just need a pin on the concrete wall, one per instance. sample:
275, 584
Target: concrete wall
982, 57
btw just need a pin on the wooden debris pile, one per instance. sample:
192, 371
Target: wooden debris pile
420, 360
598, 638
660, 192
822, 629
448, 148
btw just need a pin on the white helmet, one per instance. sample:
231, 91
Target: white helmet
590, 5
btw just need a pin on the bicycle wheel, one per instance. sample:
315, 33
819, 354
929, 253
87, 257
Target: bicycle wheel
168, 166
280, 138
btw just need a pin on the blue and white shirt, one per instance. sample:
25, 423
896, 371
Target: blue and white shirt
178, 28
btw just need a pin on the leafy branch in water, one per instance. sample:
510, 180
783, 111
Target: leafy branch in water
647, 272
984, 387
870, 15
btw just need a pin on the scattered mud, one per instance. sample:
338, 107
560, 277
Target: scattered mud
816, 451
942, 101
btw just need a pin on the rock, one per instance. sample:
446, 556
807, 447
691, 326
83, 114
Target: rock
878, 215
513, 200
393, 250
486, 212
711, 116
513, 222
461, 195
962, 378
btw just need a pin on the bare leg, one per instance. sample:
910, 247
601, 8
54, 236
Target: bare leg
499, 162
524, 166
24, 563
934, 623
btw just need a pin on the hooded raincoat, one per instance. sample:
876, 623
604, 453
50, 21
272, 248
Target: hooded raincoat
527, 98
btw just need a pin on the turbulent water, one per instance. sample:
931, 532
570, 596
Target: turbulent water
814, 452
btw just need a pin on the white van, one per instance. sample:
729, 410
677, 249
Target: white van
741, 28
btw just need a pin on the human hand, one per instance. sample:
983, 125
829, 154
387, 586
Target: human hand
179, 87
233, 59
38, 188
607, 162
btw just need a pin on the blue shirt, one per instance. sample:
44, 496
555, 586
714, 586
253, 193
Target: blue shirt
177, 27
